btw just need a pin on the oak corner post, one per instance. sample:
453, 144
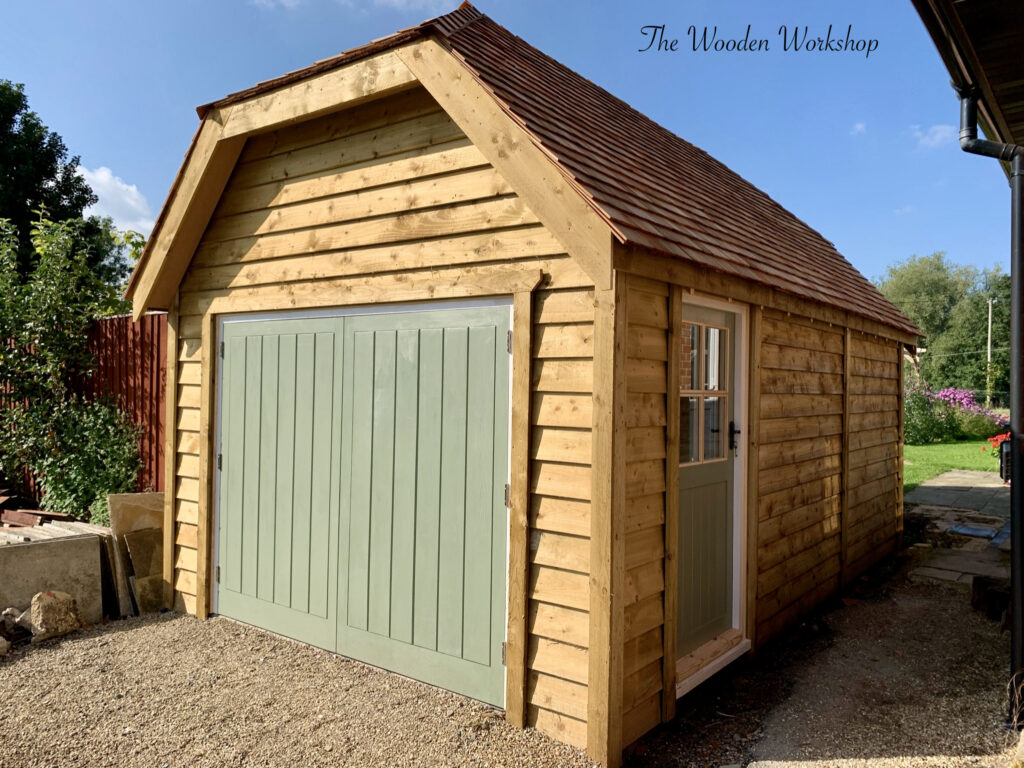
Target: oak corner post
515, 675
207, 433
170, 452
607, 574
753, 472
675, 320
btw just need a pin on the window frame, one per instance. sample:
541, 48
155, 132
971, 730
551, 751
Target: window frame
724, 393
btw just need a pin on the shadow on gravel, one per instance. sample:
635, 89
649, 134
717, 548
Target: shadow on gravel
890, 670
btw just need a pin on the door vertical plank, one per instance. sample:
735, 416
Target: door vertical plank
382, 484
480, 485
320, 495
233, 474
428, 487
268, 465
251, 481
305, 355
404, 512
453, 493
284, 488
358, 543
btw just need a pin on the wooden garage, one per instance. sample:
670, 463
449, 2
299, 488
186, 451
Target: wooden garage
483, 377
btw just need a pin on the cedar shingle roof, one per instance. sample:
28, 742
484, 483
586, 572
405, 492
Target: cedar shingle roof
652, 187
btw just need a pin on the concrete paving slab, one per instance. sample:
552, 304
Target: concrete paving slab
964, 489
927, 573
986, 563
70, 564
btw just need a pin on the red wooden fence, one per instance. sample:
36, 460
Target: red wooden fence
131, 367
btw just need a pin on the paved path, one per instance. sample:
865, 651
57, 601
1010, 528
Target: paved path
981, 492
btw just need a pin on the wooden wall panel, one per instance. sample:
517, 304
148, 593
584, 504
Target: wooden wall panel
874, 509
391, 202
645, 690
799, 474
828, 457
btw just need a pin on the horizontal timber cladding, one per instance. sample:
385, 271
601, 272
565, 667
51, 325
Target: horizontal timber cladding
558, 619
646, 609
874, 505
828, 481
389, 202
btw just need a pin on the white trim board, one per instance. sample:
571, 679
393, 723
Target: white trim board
685, 686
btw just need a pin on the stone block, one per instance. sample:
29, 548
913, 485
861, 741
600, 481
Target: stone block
135, 511
53, 613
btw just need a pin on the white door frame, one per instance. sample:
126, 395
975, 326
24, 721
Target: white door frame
738, 641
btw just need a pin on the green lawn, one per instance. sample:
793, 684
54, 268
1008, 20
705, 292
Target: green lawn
921, 462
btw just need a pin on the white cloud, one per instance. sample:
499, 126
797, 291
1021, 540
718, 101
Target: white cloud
858, 128
120, 201
903, 210
276, 3
935, 136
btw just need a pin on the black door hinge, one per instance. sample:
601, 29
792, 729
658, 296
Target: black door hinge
216, 575
219, 461
222, 349
504, 654
510, 342
508, 496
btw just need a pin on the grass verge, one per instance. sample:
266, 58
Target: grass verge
922, 462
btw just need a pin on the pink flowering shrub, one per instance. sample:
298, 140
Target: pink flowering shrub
947, 414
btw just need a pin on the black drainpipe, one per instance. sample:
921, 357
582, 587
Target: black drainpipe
1011, 153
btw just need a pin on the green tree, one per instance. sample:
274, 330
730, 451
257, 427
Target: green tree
37, 174
80, 450
957, 358
926, 289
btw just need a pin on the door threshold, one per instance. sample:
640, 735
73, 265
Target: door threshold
696, 667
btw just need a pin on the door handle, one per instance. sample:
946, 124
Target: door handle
733, 445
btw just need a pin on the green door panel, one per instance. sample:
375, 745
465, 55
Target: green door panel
281, 388
361, 493
424, 462
706, 542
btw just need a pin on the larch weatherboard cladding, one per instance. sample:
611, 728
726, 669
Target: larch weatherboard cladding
558, 592
356, 208
873, 519
830, 404
647, 323
800, 472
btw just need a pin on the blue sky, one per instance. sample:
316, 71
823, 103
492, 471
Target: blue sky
863, 148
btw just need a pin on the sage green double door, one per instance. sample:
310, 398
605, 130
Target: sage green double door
361, 487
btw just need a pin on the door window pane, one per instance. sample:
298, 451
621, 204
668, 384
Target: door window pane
689, 430
689, 378
714, 432
715, 354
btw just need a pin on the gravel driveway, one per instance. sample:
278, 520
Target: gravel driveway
903, 675
173, 691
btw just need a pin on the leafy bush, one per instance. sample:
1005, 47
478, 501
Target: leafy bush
80, 450
973, 421
91, 451
925, 419
948, 414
